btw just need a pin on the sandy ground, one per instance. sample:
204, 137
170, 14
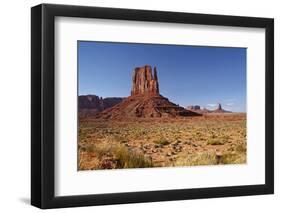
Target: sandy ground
207, 140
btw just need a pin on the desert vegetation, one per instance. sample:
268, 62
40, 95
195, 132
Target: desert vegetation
192, 141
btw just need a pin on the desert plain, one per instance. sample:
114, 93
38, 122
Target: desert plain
210, 139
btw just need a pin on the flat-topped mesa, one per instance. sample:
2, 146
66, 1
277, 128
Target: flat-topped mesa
144, 83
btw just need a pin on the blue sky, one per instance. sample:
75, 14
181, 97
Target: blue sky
188, 75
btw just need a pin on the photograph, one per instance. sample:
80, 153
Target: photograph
143, 105
160, 105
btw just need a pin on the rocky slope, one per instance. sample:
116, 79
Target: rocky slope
145, 100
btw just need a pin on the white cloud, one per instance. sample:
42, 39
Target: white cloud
230, 104
212, 105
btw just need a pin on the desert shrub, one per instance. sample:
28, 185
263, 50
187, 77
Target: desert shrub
215, 141
196, 159
210, 158
162, 141
241, 147
130, 159
233, 158
236, 155
120, 138
218, 140
100, 151
123, 157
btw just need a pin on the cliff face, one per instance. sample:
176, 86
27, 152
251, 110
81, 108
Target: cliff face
143, 82
90, 102
89, 105
194, 107
145, 100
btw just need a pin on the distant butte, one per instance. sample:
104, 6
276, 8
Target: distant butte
145, 100
197, 108
220, 109
89, 105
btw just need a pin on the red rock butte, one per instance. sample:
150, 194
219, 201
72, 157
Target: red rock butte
145, 100
143, 82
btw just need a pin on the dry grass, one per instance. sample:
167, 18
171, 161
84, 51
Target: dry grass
162, 142
196, 159
232, 156
206, 140
113, 157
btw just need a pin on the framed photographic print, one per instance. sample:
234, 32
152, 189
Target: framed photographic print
139, 106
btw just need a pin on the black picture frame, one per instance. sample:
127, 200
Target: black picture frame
43, 117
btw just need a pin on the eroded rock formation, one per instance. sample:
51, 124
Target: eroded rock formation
194, 107
197, 108
89, 105
145, 100
143, 82
219, 109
